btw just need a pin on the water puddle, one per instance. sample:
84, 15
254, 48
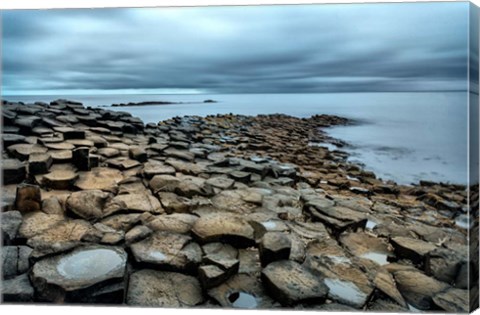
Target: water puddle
379, 258
269, 225
464, 221
242, 300
371, 224
413, 309
345, 291
158, 256
89, 263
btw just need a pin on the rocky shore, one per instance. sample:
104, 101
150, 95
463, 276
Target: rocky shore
222, 211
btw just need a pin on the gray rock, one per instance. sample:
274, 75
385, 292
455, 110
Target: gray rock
18, 289
13, 170
15, 260
10, 223
274, 246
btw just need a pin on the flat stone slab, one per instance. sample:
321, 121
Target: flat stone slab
101, 178
225, 228
288, 282
59, 146
61, 277
176, 223
23, 150
36, 222
122, 163
138, 202
166, 250
61, 156
61, 179
89, 204
163, 289
10, 224
411, 248
152, 168
13, 171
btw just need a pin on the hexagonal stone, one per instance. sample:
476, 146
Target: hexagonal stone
13, 170
70, 133
28, 198
76, 276
152, 168
176, 222
163, 289
289, 283
140, 202
10, 224
274, 246
220, 182
89, 204
453, 301
138, 154
169, 251
23, 150
36, 222
122, 163
61, 179
413, 249
101, 178
225, 228
39, 163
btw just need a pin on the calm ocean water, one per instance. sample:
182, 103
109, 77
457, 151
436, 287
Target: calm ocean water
402, 136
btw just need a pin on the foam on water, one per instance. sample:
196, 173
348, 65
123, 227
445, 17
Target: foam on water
89, 263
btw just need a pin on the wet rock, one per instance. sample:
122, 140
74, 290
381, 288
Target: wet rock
163, 289
13, 171
39, 163
36, 222
274, 246
101, 178
28, 198
138, 202
61, 179
412, 249
242, 291
138, 154
10, 224
76, 276
453, 301
367, 246
152, 168
418, 289
59, 238
291, 283
18, 289
15, 260
225, 228
80, 158
177, 222
89, 204
168, 251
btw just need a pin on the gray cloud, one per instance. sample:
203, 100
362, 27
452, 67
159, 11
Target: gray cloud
316, 48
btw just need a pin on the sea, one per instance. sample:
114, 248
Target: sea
404, 136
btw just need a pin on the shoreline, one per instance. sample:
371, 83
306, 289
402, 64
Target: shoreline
219, 203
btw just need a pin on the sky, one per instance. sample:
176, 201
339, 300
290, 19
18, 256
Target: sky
249, 49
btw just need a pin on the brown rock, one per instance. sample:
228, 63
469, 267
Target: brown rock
28, 198
274, 246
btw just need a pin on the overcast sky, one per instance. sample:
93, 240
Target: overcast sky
268, 49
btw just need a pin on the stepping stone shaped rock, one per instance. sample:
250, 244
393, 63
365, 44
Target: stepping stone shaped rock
412, 249
15, 260
28, 198
137, 233
384, 282
18, 289
109, 152
9, 139
138, 154
172, 203
122, 163
164, 183
102, 178
180, 154
61, 179
211, 276
163, 289
274, 246
170, 251
224, 228
28, 122
289, 282
138, 202
367, 246
10, 224
339, 218
89, 204
23, 150
453, 301
61, 156
76, 276
176, 223
220, 182
39, 163
122, 222
418, 289
13, 171
153, 168
242, 291
70, 133
80, 158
